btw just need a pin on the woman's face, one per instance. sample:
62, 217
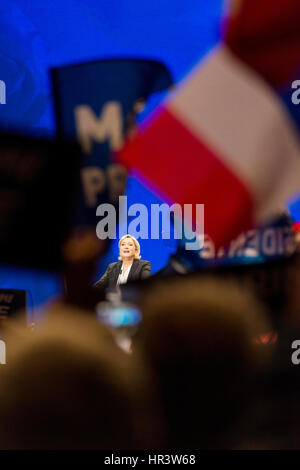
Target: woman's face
127, 249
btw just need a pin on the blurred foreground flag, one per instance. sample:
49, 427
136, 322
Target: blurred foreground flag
225, 138
96, 103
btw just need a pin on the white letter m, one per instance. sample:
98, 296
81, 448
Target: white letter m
108, 127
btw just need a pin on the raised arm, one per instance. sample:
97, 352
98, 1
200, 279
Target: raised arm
146, 270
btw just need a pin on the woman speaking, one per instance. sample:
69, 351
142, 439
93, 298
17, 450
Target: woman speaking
129, 268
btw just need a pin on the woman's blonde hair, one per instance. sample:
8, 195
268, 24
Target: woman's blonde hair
136, 244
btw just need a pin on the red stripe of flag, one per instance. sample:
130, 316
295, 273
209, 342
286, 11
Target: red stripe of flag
296, 226
265, 34
186, 171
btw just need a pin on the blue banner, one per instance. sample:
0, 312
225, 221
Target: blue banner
96, 103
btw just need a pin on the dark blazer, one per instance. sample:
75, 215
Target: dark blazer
140, 269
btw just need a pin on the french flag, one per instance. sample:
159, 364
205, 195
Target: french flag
225, 139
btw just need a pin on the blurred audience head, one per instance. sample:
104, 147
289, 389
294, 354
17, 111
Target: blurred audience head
199, 338
68, 386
